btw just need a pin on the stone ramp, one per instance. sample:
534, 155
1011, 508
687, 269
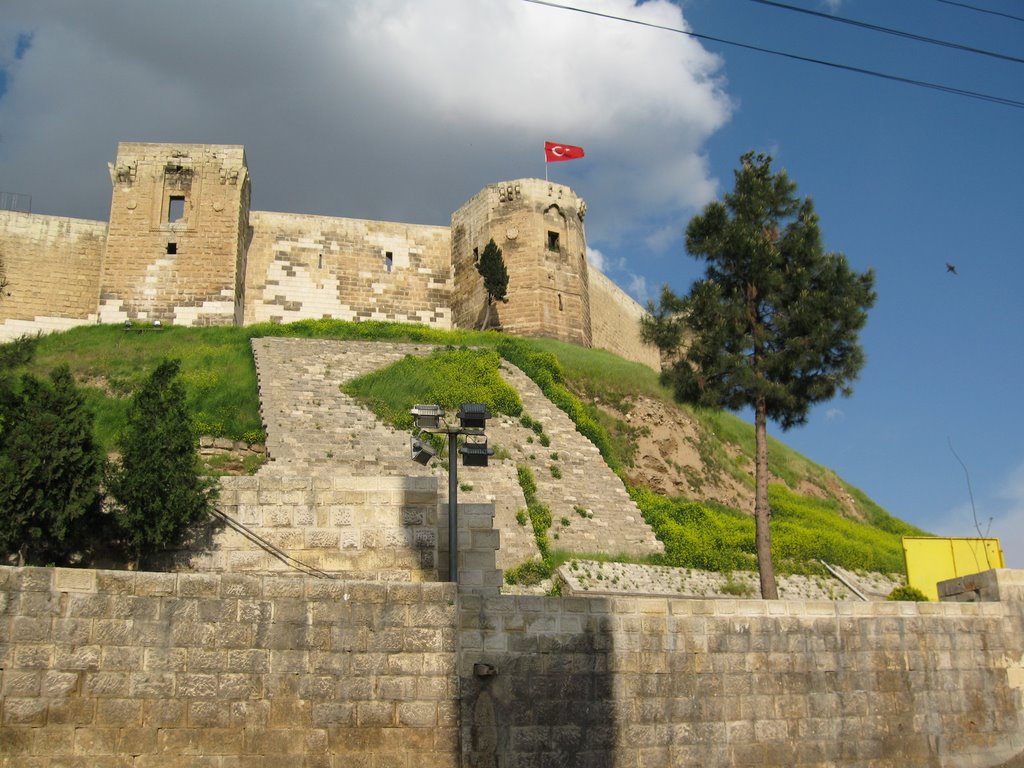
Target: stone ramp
315, 430
312, 426
610, 522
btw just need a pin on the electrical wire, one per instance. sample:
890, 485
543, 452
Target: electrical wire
981, 10
889, 31
1004, 101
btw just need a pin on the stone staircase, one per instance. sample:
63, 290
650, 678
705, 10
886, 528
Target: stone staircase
340, 485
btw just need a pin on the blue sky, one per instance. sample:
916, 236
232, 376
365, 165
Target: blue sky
403, 109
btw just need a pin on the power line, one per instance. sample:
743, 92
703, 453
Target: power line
889, 31
981, 10
1006, 102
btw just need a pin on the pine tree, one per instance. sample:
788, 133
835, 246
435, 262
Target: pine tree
492, 268
50, 471
158, 490
774, 323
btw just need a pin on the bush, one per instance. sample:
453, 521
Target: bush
908, 593
158, 491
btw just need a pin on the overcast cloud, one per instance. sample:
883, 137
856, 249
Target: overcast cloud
385, 109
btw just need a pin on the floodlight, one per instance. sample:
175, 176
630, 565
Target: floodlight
474, 454
427, 416
421, 451
473, 415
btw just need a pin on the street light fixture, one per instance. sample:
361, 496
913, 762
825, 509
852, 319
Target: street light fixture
422, 452
472, 422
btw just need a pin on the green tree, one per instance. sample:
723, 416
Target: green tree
157, 487
50, 471
774, 323
491, 267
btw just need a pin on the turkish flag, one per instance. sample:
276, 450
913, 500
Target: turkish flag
555, 153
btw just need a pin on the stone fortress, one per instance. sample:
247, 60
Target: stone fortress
183, 247
371, 658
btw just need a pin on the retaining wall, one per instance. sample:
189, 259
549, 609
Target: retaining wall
115, 668
147, 669
656, 682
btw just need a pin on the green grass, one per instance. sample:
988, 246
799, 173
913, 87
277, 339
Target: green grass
109, 363
447, 378
804, 530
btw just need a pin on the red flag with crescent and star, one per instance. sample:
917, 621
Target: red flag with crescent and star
555, 153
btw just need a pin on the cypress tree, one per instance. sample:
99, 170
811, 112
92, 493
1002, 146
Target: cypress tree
492, 268
157, 487
50, 471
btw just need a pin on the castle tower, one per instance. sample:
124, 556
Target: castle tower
539, 227
178, 233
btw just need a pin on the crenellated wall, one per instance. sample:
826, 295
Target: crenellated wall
181, 246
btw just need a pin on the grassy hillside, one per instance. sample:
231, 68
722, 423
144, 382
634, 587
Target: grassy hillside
592, 386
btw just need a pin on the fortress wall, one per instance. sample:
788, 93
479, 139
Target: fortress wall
53, 266
310, 267
177, 223
668, 682
150, 670
615, 322
160, 669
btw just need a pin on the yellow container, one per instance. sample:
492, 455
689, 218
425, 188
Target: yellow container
931, 560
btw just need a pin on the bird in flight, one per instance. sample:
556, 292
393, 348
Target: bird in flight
951, 268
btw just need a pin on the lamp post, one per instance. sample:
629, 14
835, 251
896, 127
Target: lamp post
472, 423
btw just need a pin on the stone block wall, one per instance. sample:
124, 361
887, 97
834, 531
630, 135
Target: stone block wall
311, 267
368, 528
539, 227
662, 683
153, 670
178, 229
615, 322
997, 584
53, 267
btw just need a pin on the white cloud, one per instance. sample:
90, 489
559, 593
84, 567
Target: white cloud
664, 239
395, 109
638, 288
596, 258
835, 414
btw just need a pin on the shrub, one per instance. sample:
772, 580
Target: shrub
907, 592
